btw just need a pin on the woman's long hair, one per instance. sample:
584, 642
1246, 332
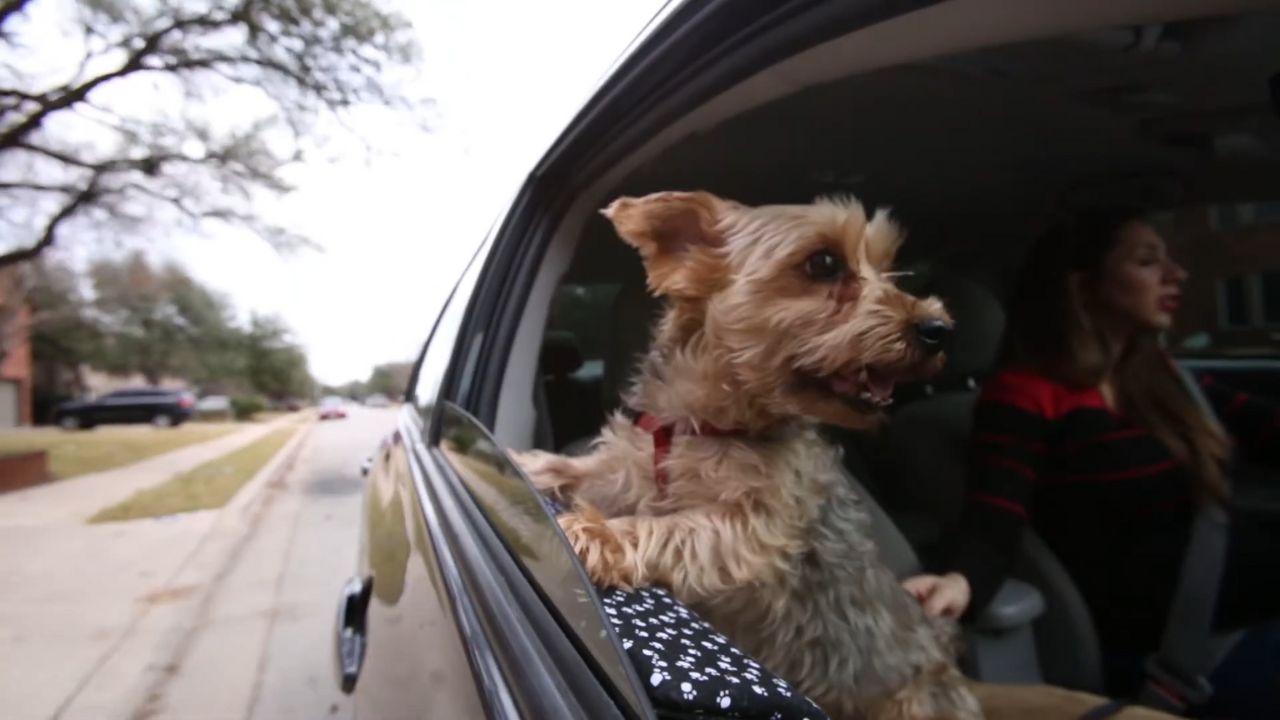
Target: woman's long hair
1053, 331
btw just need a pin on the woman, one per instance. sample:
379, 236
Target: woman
1089, 434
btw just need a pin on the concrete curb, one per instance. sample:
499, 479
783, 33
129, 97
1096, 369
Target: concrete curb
275, 470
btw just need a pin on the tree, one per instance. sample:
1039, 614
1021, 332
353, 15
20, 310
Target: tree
213, 353
146, 332
390, 379
127, 139
64, 330
275, 365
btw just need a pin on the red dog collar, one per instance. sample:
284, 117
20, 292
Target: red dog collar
664, 434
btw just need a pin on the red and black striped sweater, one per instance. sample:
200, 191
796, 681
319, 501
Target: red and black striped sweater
1106, 495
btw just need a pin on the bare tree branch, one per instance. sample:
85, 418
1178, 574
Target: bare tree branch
39, 187
8, 9
128, 164
50, 235
149, 45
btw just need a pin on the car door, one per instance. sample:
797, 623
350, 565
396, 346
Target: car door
114, 407
145, 405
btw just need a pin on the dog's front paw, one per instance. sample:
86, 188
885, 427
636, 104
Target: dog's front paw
607, 559
551, 474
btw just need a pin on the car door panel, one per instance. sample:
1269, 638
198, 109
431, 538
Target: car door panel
1256, 376
531, 538
415, 664
112, 408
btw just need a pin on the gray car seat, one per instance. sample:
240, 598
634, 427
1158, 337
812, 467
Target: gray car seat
924, 450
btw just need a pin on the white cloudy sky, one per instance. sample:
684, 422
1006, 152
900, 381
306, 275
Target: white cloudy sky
396, 228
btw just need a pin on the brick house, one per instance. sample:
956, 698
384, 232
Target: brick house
15, 344
1231, 302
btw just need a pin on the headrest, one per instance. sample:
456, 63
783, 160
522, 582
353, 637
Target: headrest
634, 312
560, 356
979, 319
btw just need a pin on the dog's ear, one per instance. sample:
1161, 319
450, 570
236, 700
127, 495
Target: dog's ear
679, 239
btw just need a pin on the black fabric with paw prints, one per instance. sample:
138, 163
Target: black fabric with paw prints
689, 668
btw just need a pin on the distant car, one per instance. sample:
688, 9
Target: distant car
332, 407
377, 400
213, 404
158, 406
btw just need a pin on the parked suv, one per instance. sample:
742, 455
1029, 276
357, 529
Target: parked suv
160, 407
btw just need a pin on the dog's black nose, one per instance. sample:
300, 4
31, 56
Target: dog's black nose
933, 334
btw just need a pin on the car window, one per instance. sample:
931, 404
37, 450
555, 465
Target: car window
584, 311
529, 531
1231, 301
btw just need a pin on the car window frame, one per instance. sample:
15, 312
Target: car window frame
649, 91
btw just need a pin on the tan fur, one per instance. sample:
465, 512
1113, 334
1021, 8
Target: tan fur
762, 532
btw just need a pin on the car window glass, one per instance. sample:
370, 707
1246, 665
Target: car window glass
1231, 301
530, 532
440, 346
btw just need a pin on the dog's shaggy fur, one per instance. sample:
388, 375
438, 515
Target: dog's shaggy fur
759, 530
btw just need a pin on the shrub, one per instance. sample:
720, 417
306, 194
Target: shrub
246, 406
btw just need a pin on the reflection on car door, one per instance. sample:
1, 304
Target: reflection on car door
415, 665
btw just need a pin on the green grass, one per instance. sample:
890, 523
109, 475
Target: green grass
104, 448
208, 486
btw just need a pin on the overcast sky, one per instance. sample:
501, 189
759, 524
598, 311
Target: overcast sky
395, 228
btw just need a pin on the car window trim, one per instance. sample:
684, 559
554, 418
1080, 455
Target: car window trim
500, 617
652, 88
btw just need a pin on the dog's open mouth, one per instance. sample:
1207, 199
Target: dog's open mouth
866, 388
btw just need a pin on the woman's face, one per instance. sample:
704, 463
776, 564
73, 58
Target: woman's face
1139, 285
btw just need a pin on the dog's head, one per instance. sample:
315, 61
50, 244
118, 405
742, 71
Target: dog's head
794, 305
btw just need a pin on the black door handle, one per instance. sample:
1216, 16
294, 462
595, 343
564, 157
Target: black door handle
353, 606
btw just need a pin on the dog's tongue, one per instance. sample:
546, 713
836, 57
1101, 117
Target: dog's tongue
879, 385
847, 384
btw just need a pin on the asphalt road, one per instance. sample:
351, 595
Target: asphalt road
297, 679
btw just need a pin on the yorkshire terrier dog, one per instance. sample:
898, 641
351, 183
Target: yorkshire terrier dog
715, 482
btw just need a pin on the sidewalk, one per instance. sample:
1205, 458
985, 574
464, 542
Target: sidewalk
97, 617
74, 500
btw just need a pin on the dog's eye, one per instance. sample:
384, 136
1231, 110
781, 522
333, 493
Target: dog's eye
824, 265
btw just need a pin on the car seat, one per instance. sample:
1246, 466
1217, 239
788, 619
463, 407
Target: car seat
922, 459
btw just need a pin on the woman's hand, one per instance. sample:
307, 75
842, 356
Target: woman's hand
941, 595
